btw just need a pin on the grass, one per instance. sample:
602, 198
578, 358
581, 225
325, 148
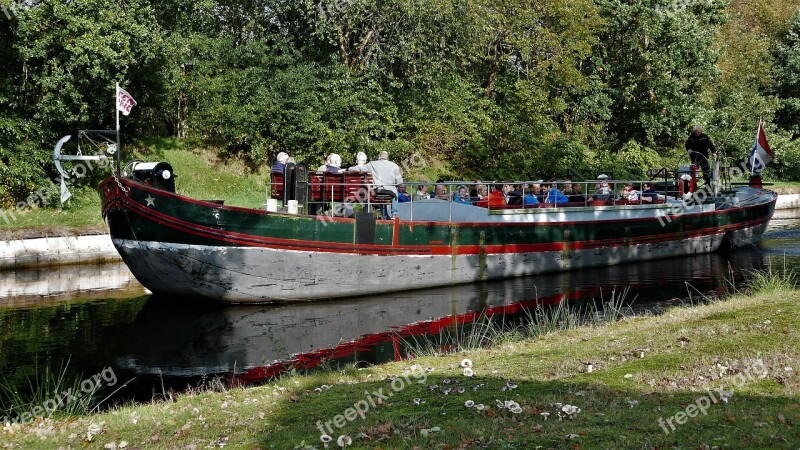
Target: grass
645, 369
201, 173
46, 391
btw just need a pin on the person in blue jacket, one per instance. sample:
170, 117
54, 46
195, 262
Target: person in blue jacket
462, 196
553, 195
402, 195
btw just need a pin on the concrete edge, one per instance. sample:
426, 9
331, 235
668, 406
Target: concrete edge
51, 251
788, 201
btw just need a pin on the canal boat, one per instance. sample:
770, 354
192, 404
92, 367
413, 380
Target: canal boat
330, 241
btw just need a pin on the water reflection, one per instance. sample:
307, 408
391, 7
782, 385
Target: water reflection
50, 285
158, 341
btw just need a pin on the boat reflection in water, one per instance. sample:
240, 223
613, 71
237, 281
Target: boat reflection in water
259, 342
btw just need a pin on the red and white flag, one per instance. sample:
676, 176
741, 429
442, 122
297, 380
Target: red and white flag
761, 154
124, 101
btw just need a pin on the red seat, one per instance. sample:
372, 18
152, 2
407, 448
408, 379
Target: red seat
334, 187
276, 181
316, 187
354, 187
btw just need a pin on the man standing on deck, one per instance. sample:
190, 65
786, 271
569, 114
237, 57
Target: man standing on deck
699, 147
386, 176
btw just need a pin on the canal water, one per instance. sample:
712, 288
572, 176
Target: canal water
92, 318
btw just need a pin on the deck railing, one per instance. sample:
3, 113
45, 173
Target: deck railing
339, 193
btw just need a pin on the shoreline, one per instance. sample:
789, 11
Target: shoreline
53, 251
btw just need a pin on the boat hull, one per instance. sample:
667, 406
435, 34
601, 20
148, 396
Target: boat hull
180, 247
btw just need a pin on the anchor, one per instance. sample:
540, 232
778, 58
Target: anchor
101, 142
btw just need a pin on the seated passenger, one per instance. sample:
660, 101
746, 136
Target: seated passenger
514, 194
422, 192
495, 199
577, 195
553, 195
567, 188
440, 192
280, 162
538, 191
604, 191
529, 199
629, 193
361, 163
462, 196
402, 195
481, 191
332, 164
649, 193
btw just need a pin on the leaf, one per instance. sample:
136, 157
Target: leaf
781, 419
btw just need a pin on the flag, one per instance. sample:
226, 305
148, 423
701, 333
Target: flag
124, 101
761, 154
65, 193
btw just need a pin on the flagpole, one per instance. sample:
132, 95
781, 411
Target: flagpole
116, 110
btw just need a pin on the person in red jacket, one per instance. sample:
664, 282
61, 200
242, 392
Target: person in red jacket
495, 199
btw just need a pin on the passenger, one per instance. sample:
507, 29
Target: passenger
495, 199
629, 193
462, 196
402, 195
482, 192
537, 191
567, 188
514, 194
473, 193
604, 191
649, 193
386, 177
332, 164
361, 163
577, 195
553, 195
422, 192
440, 192
529, 199
280, 162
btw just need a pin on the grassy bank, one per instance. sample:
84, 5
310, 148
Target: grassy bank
723, 375
201, 173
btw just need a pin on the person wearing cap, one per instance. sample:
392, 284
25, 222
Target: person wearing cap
280, 162
699, 146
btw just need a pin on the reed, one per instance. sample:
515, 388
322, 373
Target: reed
44, 394
487, 332
771, 281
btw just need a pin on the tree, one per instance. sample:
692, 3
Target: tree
657, 58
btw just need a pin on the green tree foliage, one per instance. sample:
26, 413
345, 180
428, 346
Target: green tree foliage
656, 59
787, 79
480, 88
